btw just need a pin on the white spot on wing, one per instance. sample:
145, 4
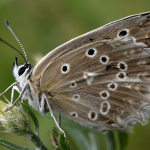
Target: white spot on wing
112, 86
121, 76
127, 85
73, 84
123, 30
93, 115
76, 96
89, 76
122, 66
105, 107
104, 94
65, 68
74, 114
104, 59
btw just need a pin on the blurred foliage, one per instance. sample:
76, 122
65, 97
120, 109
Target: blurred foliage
43, 25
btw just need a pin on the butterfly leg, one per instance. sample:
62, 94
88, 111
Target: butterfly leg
52, 114
21, 93
42, 105
16, 87
8, 88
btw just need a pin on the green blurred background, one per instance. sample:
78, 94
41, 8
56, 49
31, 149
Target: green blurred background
42, 25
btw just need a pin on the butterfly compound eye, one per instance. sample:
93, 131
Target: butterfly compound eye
22, 69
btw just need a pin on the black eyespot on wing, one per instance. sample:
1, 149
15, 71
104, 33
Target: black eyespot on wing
122, 66
123, 33
64, 68
104, 59
73, 114
91, 39
112, 86
104, 94
91, 52
72, 84
121, 75
93, 114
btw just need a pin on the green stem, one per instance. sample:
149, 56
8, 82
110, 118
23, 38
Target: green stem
36, 140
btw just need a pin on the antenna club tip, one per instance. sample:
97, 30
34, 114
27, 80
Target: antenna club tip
6, 22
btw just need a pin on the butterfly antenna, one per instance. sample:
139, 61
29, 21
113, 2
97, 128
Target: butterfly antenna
13, 48
8, 26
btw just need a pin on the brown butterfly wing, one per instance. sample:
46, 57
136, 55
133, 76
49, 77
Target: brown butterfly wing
102, 79
108, 32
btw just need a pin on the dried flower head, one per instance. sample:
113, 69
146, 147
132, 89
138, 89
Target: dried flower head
14, 120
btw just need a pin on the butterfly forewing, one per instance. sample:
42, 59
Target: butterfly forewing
103, 34
101, 79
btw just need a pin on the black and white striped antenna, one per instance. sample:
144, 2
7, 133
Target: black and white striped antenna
8, 26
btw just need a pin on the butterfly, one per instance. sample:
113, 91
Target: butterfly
100, 79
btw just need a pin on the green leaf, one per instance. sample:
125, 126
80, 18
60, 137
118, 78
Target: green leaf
84, 138
95, 145
33, 118
122, 140
34, 137
13, 146
36, 140
110, 139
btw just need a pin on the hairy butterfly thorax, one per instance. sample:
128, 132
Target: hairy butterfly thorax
32, 93
100, 79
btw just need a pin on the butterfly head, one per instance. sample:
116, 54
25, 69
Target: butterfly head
21, 72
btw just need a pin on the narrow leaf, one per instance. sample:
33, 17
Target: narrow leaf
122, 140
110, 139
13, 146
33, 118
